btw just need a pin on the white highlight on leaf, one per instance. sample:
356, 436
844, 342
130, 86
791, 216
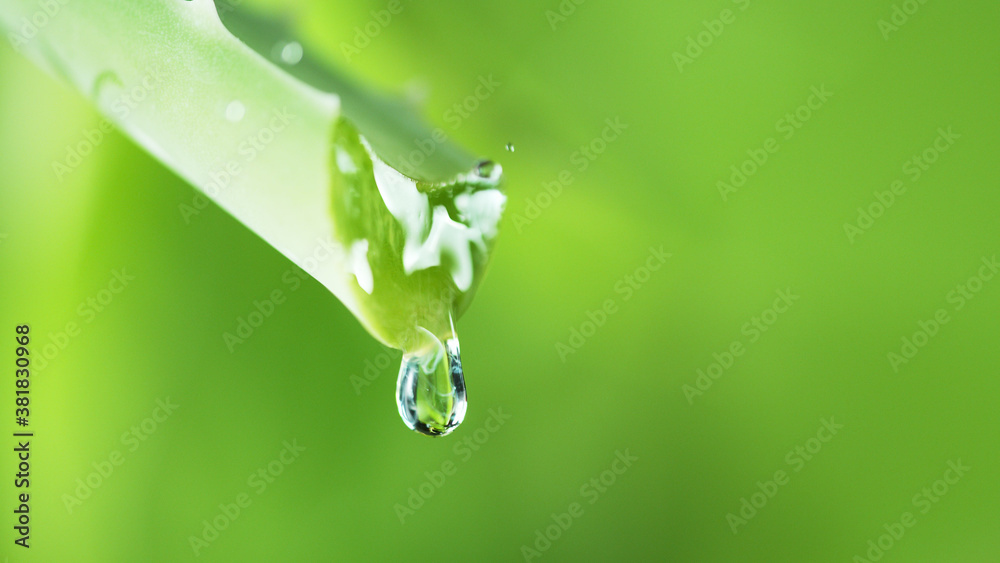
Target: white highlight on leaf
358, 263
432, 234
345, 163
482, 210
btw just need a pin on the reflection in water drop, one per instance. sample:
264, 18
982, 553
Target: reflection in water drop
430, 392
291, 53
488, 169
235, 111
510, 147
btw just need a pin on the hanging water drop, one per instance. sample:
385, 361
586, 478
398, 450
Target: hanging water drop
430, 392
510, 147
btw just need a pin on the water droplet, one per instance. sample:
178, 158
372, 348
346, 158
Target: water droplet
510, 147
106, 89
291, 53
235, 111
488, 169
430, 392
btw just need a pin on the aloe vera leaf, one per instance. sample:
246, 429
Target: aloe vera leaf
308, 160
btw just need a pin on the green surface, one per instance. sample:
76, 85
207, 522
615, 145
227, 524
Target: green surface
547, 420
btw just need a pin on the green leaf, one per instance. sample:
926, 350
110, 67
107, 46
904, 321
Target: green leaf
313, 163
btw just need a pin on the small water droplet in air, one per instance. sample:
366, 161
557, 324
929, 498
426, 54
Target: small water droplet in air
430, 392
510, 147
291, 53
235, 111
488, 169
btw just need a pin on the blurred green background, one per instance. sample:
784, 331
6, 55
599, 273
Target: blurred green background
623, 388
